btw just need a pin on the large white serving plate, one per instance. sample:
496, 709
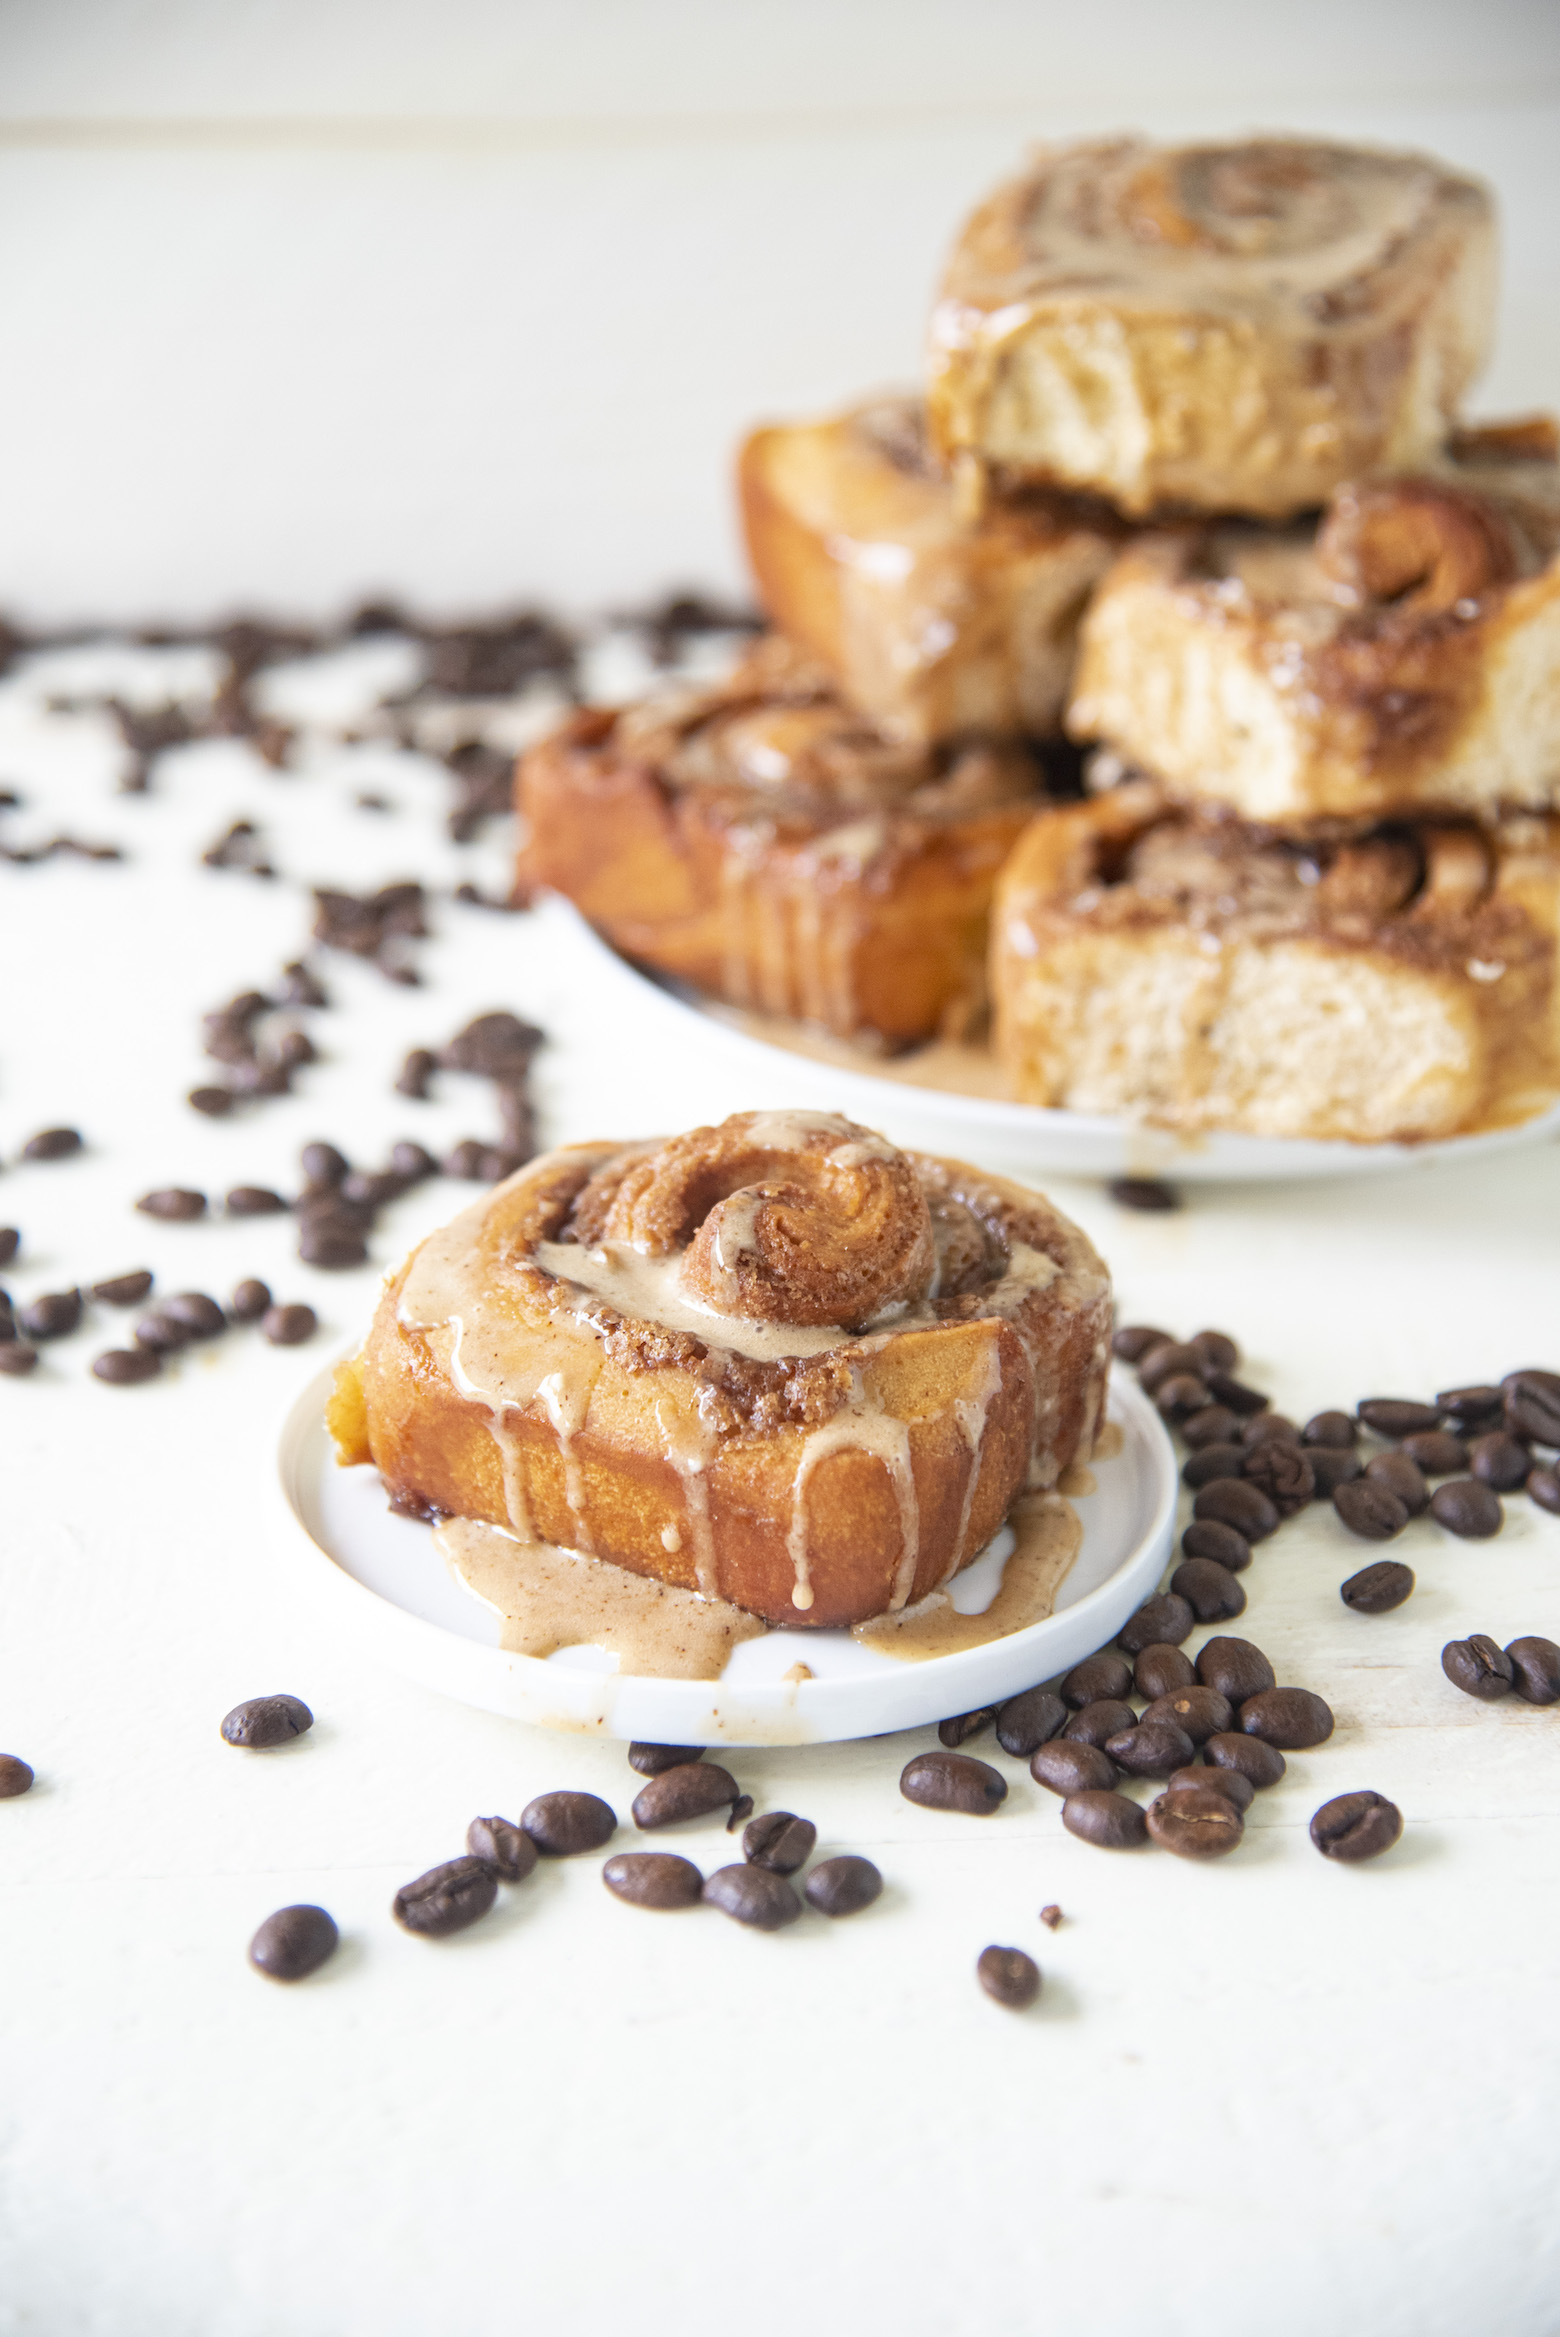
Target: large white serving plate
1019, 1140
384, 1585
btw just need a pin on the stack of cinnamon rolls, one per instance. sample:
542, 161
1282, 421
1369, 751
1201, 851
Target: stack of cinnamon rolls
1188, 488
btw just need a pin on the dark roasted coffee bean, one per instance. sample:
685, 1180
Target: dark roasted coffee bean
657, 1879
1151, 1749
1205, 1537
195, 1312
739, 1813
1008, 1976
1283, 1472
1209, 1589
250, 1300
51, 1317
125, 1367
1435, 1452
1106, 1674
331, 1245
1134, 1340
1213, 1461
1330, 1469
1467, 1508
300, 987
1201, 1712
754, 1896
1270, 1428
650, 1760
961, 1726
1395, 1416
52, 1144
1236, 1503
779, 1840
446, 1899
1064, 1766
1029, 1720
123, 1289
1235, 1667
175, 1202
507, 1848
265, 1721
1291, 1718
15, 1777
1162, 1621
254, 1201
415, 1073
371, 1189
1234, 1787
953, 1781
1478, 1667
1261, 1765
1196, 1821
564, 1824
1235, 1395
1499, 1461
1150, 1193
1159, 1671
10, 1243
1050, 1917
1214, 1424
1355, 1826
1179, 1396
1464, 1405
842, 1886
1106, 1819
17, 1359
293, 1942
323, 1164
413, 1163
1543, 1486
1398, 1473
1377, 1589
1533, 1404
213, 1103
695, 1789
1093, 1723
327, 1205
1535, 1670
1217, 1349
464, 1159
1172, 1359
161, 1334
1370, 1509
1334, 1431
288, 1326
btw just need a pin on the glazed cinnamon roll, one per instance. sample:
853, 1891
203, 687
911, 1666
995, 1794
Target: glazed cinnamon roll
777, 1363
1215, 328
1197, 972
765, 844
1401, 652
934, 623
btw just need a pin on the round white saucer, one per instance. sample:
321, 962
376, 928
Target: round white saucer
385, 1586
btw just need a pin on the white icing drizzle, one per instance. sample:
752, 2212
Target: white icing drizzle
860, 1427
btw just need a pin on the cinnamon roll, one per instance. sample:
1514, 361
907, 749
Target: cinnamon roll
775, 1363
1199, 972
934, 623
766, 845
1402, 651
1216, 327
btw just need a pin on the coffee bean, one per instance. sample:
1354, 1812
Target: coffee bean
779, 1840
447, 1899
1008, 1976
1335, 1431
1499, 1461
53, 1316
293, 1942
17, 1358
1171, 1359
657, 1879
506, 1848
177, 1203
1143, 1193
1206, 1537
1029, 1720
1104, 1675
1152, 1748
1543, 1485
1435, 1453
10, 1243
1399, 1475
1196, 1821
1214, 1424
464, 1159
195, 1313
1235, 1668
1331, 1469
288, 1326
125, 1367
1210, 1590
842, 1886
161, 1334
961, 1726
122, 1289
1178, 1397
415, 1073
751, 1895
1370, 1509
1260, 1764
1050, 1917
1106, 1819
52, 1144
1535, 1670
328, 1206
15, 1777
1377, 1589
1478, 1667
1162, 1621
371, 1189
1270, 1428
213, 1103
1094, 1724
1355, 1826
673, 1796
1217, 1349
1159, 1671
1201, 1712
323, 1164
953, 1781
1466, 1405
1533, 1404
1395, 1416
1467, 1508
1065, 1766
1212, 1462
414, 1163
1235, 1395
1134, 1340
1291, 1718
1235, 1788
1283, 1472
331, 1245
250, 1300
739, 1813
650, 1760
1236, 1503
564, 1824
265, 1721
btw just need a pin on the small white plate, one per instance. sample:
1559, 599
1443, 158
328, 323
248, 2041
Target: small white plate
1017, 1140
388, 1590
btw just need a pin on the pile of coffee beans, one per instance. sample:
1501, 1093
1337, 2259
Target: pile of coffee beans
260, 1042
380, 926
179, 1321
499, 1048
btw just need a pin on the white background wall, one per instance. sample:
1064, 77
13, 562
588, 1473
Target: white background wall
471, 298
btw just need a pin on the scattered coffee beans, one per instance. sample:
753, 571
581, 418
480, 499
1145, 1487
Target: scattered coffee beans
779, 1841
288, 1326
1282, 1472
54, 1316
1466, 1405
1217, 1349
266, 1721
1535, 1670
1291, 1718
1260, 1764
1212, 1462
1196, 1821
1399, 1475
1201, 1712
122, 1289
1499, 1461
842, 1886
1532, 1401
1377, 1589
1152, 1749
695, 1790
1436, 1453
15, 1777
1064, 1767
1029, 1720
953, 1781
1205, 1537
1478, 1667
17, 1358
754, 1896
447, 1899
653, 1878
1008, 1976
1269, 1428
124, 1367
1467, 1508
1370, 1509
293, 1942
1235, 1395
1235, 1668
250, 1301
1393, 1416
174, 1202
564, 1824
161, 1334
52, 1144
1094, 1723
507, 1848
1330, 1469
1106, 1819
197, 1315
1160, 1670
1163, 1621
650, 1760
1210, 1590
1235, 1502
1355, 1826
254, 1201
1214, 1424
1335, 1431
1104, 1675
1171, 1359
1143, 1193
